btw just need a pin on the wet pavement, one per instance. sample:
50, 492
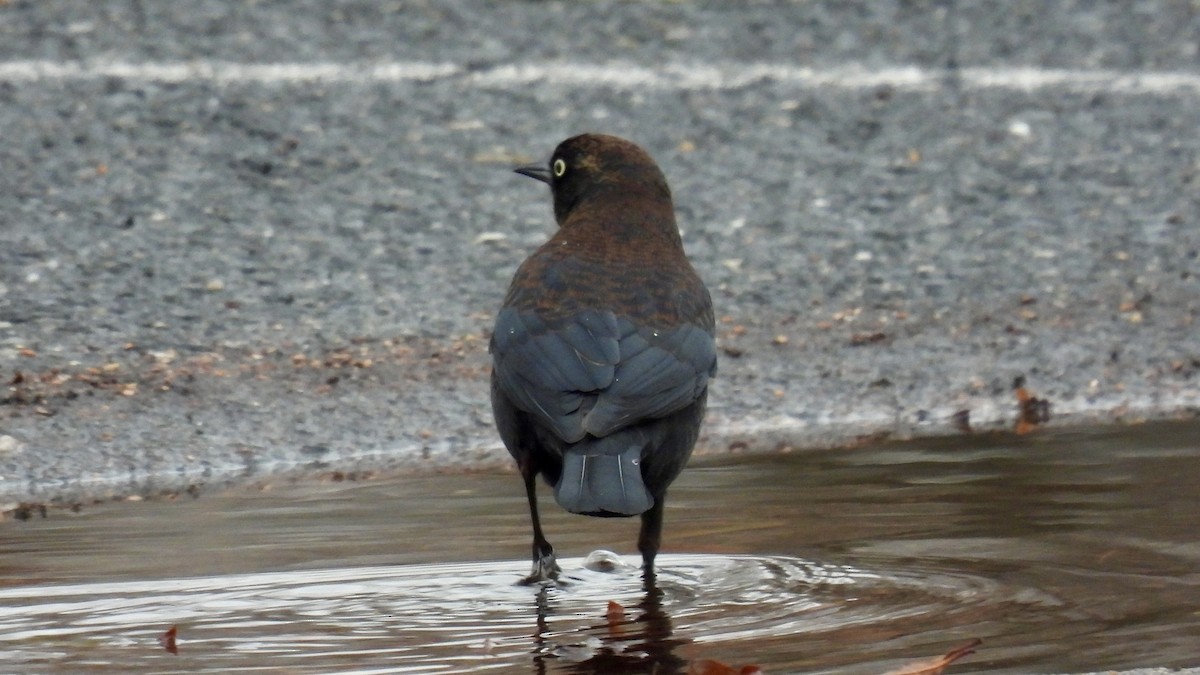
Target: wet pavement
1062, 551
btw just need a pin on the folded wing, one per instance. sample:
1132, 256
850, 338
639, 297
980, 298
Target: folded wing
597, 373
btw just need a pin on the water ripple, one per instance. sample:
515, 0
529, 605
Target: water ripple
472, 616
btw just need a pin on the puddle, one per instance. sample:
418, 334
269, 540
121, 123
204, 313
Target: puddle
1063, 551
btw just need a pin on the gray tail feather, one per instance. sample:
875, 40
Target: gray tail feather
603, 481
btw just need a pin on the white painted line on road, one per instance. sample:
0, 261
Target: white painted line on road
1099, 81
704, 76
682, 76
225, 72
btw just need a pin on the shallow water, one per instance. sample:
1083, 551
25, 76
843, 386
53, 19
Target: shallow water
1063, 551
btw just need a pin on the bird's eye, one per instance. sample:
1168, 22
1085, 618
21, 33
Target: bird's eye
560, 167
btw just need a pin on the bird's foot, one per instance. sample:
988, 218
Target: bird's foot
650, 579
545, 568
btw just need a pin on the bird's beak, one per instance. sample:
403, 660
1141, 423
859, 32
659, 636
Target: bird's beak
536, 172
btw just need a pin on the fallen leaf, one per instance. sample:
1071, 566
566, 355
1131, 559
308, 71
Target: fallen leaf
711, 667
167, 639
937, 664
615, 611
1031, 410
615, 615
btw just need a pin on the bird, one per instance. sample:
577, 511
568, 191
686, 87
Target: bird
604, 346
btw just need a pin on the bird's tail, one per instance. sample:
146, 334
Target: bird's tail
603, 477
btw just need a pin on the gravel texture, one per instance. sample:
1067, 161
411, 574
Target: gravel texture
211, 275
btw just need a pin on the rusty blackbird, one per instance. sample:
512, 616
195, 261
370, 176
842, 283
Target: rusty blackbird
602, 352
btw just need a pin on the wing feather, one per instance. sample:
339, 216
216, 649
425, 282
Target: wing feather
598, 373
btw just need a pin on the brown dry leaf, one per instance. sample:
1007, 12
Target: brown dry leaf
711, 667
1031, 410
167, 639
615, 612
615, 616
937, 664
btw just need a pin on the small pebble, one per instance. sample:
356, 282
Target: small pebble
8, 444
488, 237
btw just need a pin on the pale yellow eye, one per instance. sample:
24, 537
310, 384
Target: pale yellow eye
560, 167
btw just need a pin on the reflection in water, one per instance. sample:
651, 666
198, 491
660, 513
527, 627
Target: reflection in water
474, 616
1064, 552
640, 642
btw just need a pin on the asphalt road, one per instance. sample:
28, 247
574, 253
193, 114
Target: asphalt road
240, 239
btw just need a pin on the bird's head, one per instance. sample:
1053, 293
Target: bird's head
598, 166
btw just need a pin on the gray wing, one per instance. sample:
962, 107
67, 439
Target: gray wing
555, 374
659, 372
598, 373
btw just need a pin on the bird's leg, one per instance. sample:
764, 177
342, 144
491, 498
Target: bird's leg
651, 535
544, 566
